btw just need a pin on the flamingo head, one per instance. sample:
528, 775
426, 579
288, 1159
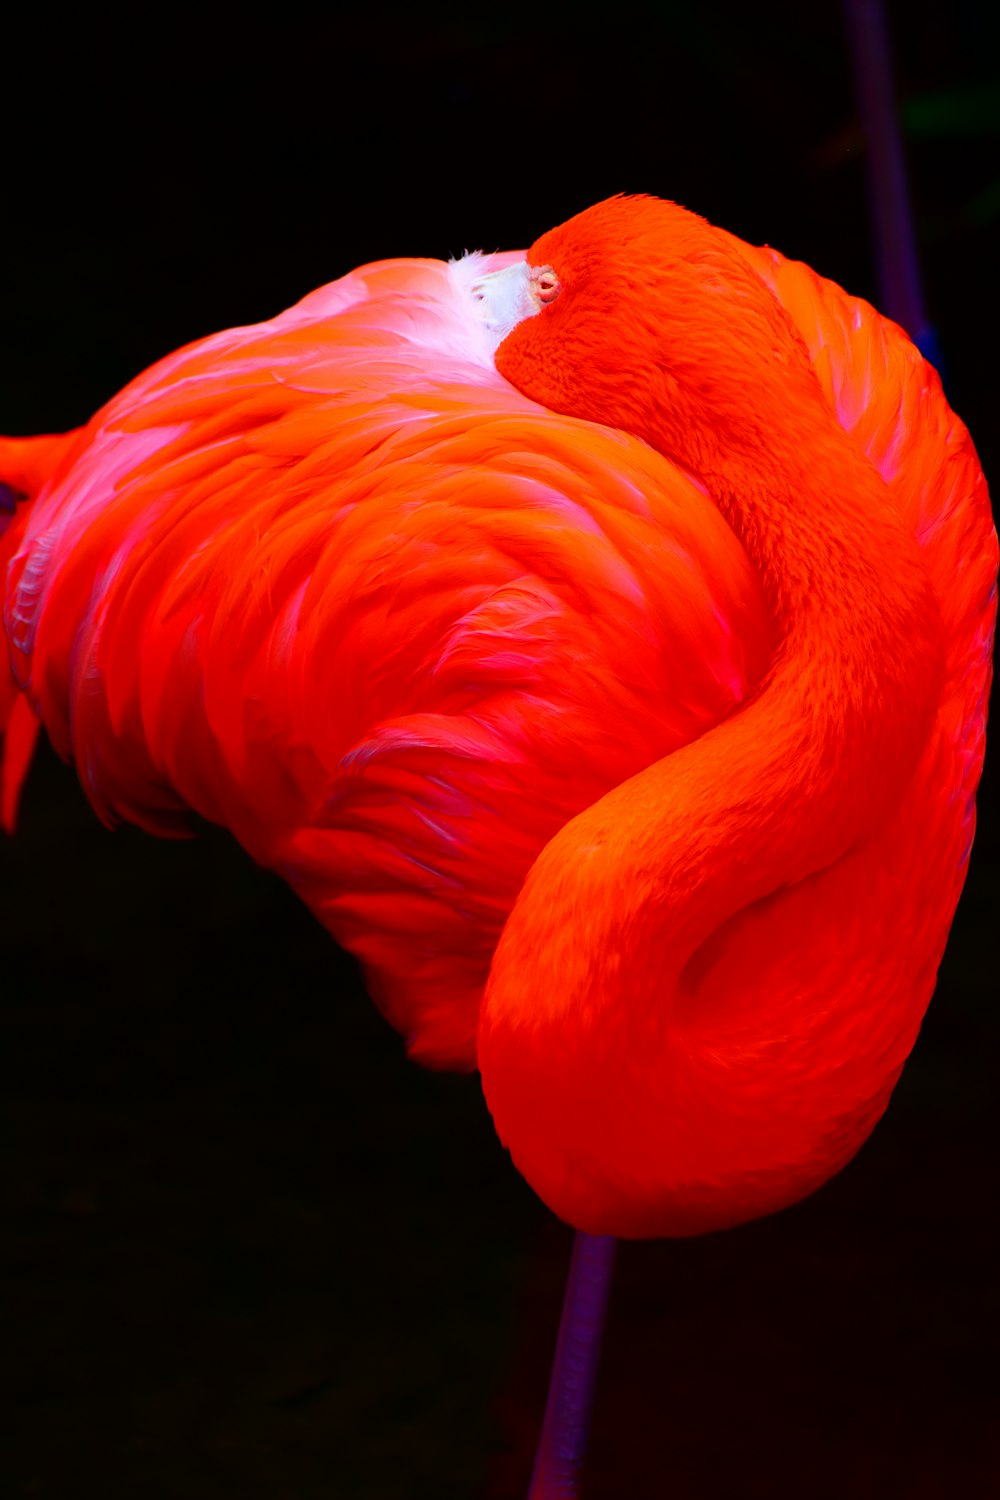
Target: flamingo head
640, 315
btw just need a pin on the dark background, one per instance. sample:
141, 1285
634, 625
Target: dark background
249, 1251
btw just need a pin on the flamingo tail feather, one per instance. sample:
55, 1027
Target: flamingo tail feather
26, 466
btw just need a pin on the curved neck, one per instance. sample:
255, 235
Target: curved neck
841, 717
819, 757
578, 1038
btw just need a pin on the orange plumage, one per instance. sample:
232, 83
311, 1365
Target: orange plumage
707, 654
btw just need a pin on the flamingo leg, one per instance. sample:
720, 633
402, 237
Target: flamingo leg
566, 1424
900, 284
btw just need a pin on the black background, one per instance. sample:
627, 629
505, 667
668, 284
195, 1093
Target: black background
249, 1250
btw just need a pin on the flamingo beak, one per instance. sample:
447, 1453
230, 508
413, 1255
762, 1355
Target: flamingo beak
517, 292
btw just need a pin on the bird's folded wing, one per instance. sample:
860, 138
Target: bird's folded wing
331, 582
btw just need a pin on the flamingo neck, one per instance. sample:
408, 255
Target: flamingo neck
838, 724
588, 980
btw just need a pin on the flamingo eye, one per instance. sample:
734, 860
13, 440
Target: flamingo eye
547, 284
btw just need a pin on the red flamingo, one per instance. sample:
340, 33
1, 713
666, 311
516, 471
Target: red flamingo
599, 644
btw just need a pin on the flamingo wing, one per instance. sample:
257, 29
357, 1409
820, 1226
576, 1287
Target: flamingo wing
331, 582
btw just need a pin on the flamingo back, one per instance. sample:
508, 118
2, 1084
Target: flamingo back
333, 583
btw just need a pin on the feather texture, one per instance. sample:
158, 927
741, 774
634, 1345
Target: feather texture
332, 583
335, 583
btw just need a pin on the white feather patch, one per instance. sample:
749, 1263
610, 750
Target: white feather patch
499, 287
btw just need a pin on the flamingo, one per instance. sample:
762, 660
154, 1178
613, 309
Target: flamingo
598, 642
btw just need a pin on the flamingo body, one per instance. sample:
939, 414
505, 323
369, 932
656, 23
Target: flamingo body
331, 582
441, 654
